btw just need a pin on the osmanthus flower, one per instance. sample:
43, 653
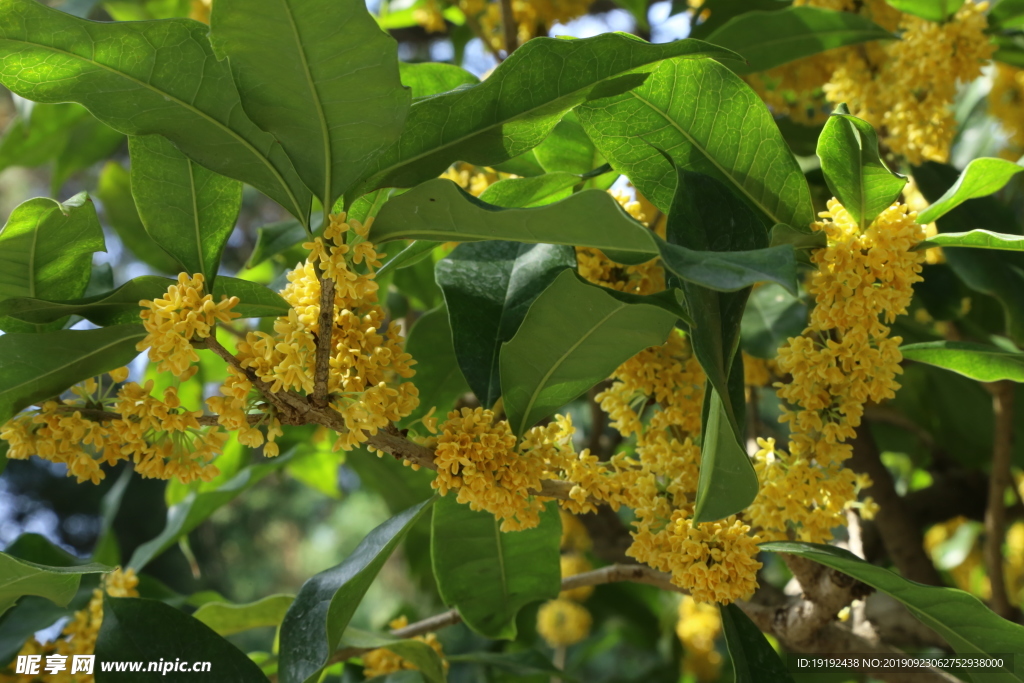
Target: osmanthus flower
697, 627
532, 17
1006, 103
563, 622
382, 661
643, 278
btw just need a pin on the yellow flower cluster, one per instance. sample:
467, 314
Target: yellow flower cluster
758, 372
1006, 103
562, 622
968, 575
473, 179
532, 17
843, 359
174, 320
366, 354
163, 439
79, 635
382, 661
643, 278
697, 628
429, 16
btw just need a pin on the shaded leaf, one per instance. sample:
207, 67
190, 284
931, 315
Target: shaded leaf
522, 663
89, 141
772, 316
981, 177
226, 618
723, 11
437, 369
114, 191
416, 652
413, 253
527, 192
57, 584
1007, 14
38, 134
568, 148
489, 575
753, 658
978, 361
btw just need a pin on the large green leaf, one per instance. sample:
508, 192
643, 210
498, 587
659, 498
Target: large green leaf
573, 336
771, 317
141, 78
438, 376
57, 584
89, 142
314, 624
440, 210
115, 194
727, 481
526, 192
961, 619
416, 652
197, 506
35, 367
226, 618
709, 121
121, 305
488, 287
46, 251
722, 12
932, 10
753, 658
568, 148
981, 177
853, 170
771, 38
978, 361
141, 630
489, 575
321, 77
519, 103
433, 78
187, 209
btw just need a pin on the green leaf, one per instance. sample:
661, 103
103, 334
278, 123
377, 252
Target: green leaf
89, 141
416, 251
276, 238
57, 584
573, 336
961, 619
727, 482
978, 361
526, 192
1007, 14
981, 177
772, 316
197, 506
47, 251
321, 77
416, 652
226, 619
35, 367
489, 575
433, 78
978, 239
144, 630
709, 121
753, 658
855, 174
172, 84
772, 38
523, 663
518, 105
438, 376
38, 134
121, 306
115, 194
568, 148
317, 469
186, 209
723, 11
314, 624
932, 10
488, 288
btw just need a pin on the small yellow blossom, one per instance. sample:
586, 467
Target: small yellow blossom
562, 623
382, 661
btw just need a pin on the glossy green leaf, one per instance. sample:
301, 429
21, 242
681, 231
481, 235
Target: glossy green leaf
978, 361
710, 122
573, 336
314, 624
773, 38
526, 192
433, 78
772, 316
981, 177
438, 376
199, 505
753, 658
727, 481
854, 172
321, 77
187, 209
977, 239
57, 584
142, 630
568, 148
519, 103
416, 652
169, 83
35, 367
961, 619
225, 618
488, 288
115, 194
46, 251
932, 10
121, 306
490, 575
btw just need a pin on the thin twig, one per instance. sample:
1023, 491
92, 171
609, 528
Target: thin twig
322, 369
995, 514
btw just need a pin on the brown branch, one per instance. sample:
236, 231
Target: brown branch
511, 29
995, 515
322, 369
106, 416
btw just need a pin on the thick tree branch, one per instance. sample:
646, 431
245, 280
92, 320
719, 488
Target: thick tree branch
999, 479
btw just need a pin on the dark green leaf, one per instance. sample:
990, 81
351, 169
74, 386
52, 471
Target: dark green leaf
141, 630
932, 10
321, 77
523, 663
115, 194
568, 148
1007, 14
772, 316
47, 251
526, 192
855, 174
172, 85
977, 361
225, 618
961, 619
433, 78
723, 11
274, 239
518, 105
981, 177
489, 575
89, 141
710, 122
314, 624
772, 38
437, 370
488, 287
107, 550
186, 209
57, 584
573, 336
35, 367
727, 482
38, 134
416, 652
753, 659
